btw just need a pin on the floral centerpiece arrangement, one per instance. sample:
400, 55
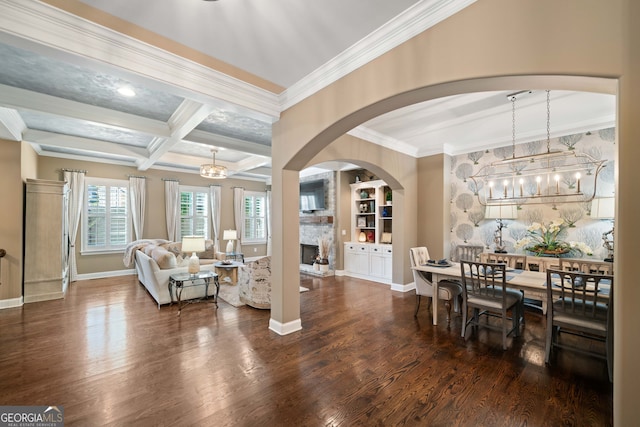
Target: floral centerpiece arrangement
545, 239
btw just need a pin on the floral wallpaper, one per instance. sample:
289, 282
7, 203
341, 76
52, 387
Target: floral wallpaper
468, 225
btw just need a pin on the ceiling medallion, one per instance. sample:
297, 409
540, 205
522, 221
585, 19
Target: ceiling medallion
212, 170
551, 177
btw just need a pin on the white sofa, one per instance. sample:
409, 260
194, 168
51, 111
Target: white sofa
156, 279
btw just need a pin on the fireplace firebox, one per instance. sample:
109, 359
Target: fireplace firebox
308, 253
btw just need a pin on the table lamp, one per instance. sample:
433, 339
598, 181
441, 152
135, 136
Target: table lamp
500, 212
193, 244
231, 236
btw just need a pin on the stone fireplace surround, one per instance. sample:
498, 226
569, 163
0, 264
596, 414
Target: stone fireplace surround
319, 224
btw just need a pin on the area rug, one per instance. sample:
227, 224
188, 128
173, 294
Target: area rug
230, 294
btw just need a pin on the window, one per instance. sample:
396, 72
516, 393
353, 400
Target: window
255, 230
106, 223
194, 211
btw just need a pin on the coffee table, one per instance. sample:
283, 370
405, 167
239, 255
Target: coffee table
179, 281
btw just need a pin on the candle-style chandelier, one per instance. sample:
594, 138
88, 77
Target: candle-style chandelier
552, 177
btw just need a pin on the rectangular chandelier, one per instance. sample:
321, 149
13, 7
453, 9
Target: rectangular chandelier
552, 177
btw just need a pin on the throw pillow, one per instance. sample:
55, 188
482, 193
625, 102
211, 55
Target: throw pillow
209, 251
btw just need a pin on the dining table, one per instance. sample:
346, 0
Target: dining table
532, 283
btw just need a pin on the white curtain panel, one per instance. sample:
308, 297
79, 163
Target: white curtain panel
138, 201
75, 180
172, 208
215, 194
268, 214
238, 215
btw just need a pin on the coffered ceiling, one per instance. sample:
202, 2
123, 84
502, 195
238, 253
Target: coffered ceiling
218, 73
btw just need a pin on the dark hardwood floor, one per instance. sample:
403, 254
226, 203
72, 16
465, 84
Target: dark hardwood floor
110, 357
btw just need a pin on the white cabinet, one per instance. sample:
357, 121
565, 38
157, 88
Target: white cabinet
368, 261
369, 256
46, 240
380, 261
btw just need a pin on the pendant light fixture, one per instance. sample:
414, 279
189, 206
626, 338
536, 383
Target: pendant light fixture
212, 170
552, 177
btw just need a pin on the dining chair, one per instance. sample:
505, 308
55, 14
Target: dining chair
484, 289
582, 306
511, 260
468, 252
448, 290
586, 266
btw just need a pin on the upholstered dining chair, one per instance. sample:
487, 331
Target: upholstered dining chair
447, 290
580, 304
484, 290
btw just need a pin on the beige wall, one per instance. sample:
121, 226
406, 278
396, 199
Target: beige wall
155, 219
11, 220
491, 45
431, 196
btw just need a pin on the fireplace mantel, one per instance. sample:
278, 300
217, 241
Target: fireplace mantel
316, 219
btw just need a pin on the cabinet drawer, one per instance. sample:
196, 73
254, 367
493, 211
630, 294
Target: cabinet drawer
381, 250
356, 248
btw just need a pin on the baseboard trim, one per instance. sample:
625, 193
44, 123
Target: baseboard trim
103, 274
285, 328
403, 288
11, 303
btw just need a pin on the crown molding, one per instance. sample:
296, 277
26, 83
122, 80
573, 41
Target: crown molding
415, 20
68, 34
11, 125
383, 140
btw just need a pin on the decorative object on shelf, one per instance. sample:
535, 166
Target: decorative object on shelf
357, 179
386, 238
605, 208
231, 236
536, 178
362, 222
388, 197
362, 237
385, 213
499, 213
364, 194
193, 244
211, 170
370, 236
545, 240
363, 208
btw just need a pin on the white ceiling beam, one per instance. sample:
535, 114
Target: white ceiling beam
83, 144
220, 141
11, 125
186, 117
22, 99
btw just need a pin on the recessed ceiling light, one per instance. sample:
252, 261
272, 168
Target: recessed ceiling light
126, 91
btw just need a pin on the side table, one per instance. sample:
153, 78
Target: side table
228, 272
179, 281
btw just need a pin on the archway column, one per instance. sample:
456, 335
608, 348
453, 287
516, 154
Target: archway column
285, 260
